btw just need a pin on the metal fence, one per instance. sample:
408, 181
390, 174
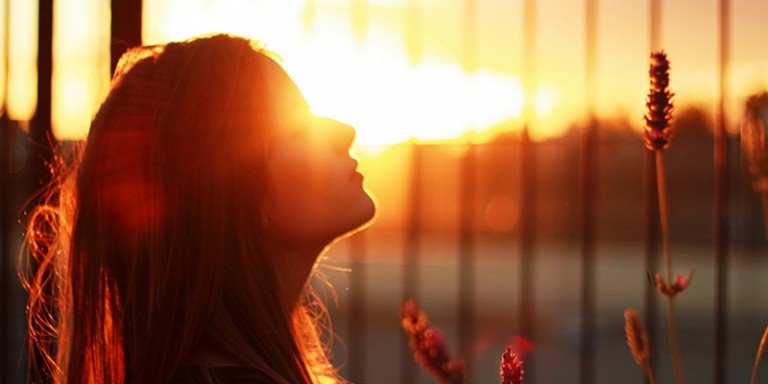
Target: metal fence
582, 233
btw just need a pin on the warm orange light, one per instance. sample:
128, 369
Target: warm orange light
366, 82
501, 214
273, 22
389, 101
80, 75
339, 42
551, 117
22, 63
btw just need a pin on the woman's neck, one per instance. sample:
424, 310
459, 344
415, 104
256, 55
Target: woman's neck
295, 265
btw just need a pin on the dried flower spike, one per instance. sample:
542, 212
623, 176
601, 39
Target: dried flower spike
659, 105
637, 338
753, 139
428, 346
511, 370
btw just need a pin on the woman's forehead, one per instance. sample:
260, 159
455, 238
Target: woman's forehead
292, 100
289, 102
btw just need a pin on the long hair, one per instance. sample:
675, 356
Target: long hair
152, 246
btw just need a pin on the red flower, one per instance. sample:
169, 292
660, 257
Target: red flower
672, 288
511, 370
428, 346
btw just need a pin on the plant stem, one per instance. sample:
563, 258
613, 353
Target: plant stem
663, 213
760, 349
664, 217
673, 347
764, 202
649, 373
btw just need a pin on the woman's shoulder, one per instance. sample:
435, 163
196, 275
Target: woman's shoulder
223, 375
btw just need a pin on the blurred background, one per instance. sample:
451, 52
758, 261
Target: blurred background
503, 141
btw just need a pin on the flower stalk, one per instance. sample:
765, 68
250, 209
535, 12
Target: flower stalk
758, 357
657, 135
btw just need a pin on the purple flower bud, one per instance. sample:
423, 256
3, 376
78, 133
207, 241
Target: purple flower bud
659, 105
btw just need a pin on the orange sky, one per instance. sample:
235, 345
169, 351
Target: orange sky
358, 68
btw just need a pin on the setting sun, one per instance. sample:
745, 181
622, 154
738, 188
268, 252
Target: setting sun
396, 70
361, 74
372, 85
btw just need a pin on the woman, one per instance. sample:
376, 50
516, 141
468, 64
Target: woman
179, 248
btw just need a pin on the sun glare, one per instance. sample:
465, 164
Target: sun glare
81, 72
389, 67
22, 68
372, 87
389, 101
358, 74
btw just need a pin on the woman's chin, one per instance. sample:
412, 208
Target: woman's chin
366, 217
369, 212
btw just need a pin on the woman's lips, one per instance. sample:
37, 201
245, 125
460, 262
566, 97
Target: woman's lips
355, 175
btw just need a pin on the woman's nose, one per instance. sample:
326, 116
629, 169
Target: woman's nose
342, 135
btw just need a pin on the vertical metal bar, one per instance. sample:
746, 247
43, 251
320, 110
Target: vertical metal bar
588, 181
466, 256
651, 249
527, 312
43, 142
651, 206
414, 47
414, 37
720, 203
469, 35
309, 17
125, 28
466, 200
8, 349
358, 18
655, 24
6, 359
587, 160
358, 15
357, 319
40, 129
411, 262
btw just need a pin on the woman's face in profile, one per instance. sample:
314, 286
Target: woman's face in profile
318, 193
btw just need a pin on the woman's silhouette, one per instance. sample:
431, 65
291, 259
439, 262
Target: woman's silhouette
179, 246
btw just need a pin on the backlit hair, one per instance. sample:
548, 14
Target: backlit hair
155, 232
